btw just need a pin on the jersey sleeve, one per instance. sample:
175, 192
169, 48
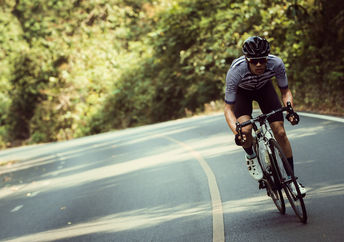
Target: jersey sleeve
281, 75
232, 80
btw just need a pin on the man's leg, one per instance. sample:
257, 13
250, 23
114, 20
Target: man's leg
243, 111
282, 139
250, 156
247, 131
268, 101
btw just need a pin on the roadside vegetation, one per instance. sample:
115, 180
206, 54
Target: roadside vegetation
75, 68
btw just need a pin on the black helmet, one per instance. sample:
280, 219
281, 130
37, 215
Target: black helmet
256, 46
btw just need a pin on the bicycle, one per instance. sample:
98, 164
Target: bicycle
277, 173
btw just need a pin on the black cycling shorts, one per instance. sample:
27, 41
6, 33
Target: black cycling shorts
266, 97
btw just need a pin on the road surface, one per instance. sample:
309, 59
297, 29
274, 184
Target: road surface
181, 180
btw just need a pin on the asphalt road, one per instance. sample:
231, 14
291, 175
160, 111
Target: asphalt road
182, 180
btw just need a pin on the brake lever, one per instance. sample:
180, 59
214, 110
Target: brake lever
238, 128
238, 140
292, 113
289, 107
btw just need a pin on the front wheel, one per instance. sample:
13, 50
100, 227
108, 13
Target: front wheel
271, 186
275, 193
287, 178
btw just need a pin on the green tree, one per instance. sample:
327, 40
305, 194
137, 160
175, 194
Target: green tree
73, 68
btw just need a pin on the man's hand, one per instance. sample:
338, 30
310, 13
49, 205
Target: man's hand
240, 140
287, 97
293, 118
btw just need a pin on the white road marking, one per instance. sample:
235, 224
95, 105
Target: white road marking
217, 210
32, 194
16, 208
320, 116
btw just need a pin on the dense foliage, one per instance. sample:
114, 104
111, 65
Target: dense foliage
75, 68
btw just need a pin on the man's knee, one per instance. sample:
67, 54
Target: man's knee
247, 130
281, 134
279, 131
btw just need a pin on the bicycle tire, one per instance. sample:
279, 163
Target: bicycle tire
275, 194
283, 168
272, 189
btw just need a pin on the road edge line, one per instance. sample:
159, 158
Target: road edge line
321, 116
216, 202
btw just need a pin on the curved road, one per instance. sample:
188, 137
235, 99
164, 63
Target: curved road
182, 180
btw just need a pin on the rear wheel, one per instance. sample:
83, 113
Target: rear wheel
287, 178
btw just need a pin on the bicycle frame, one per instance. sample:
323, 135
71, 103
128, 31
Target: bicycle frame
262, 135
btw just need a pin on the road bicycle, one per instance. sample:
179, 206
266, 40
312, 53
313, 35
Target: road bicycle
277, 173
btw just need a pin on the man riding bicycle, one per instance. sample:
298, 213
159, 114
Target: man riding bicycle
249, 79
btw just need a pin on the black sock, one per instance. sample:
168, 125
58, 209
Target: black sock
291, 164
249, 151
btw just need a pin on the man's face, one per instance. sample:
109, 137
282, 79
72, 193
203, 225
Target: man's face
257, 66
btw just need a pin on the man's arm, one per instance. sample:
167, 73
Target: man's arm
287, 97
230, 117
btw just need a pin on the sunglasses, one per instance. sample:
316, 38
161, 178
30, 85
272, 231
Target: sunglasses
255, 61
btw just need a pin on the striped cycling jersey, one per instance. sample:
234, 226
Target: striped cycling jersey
239, 75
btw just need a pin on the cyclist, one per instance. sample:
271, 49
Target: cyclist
248, 79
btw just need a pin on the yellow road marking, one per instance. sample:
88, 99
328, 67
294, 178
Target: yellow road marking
217, 210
